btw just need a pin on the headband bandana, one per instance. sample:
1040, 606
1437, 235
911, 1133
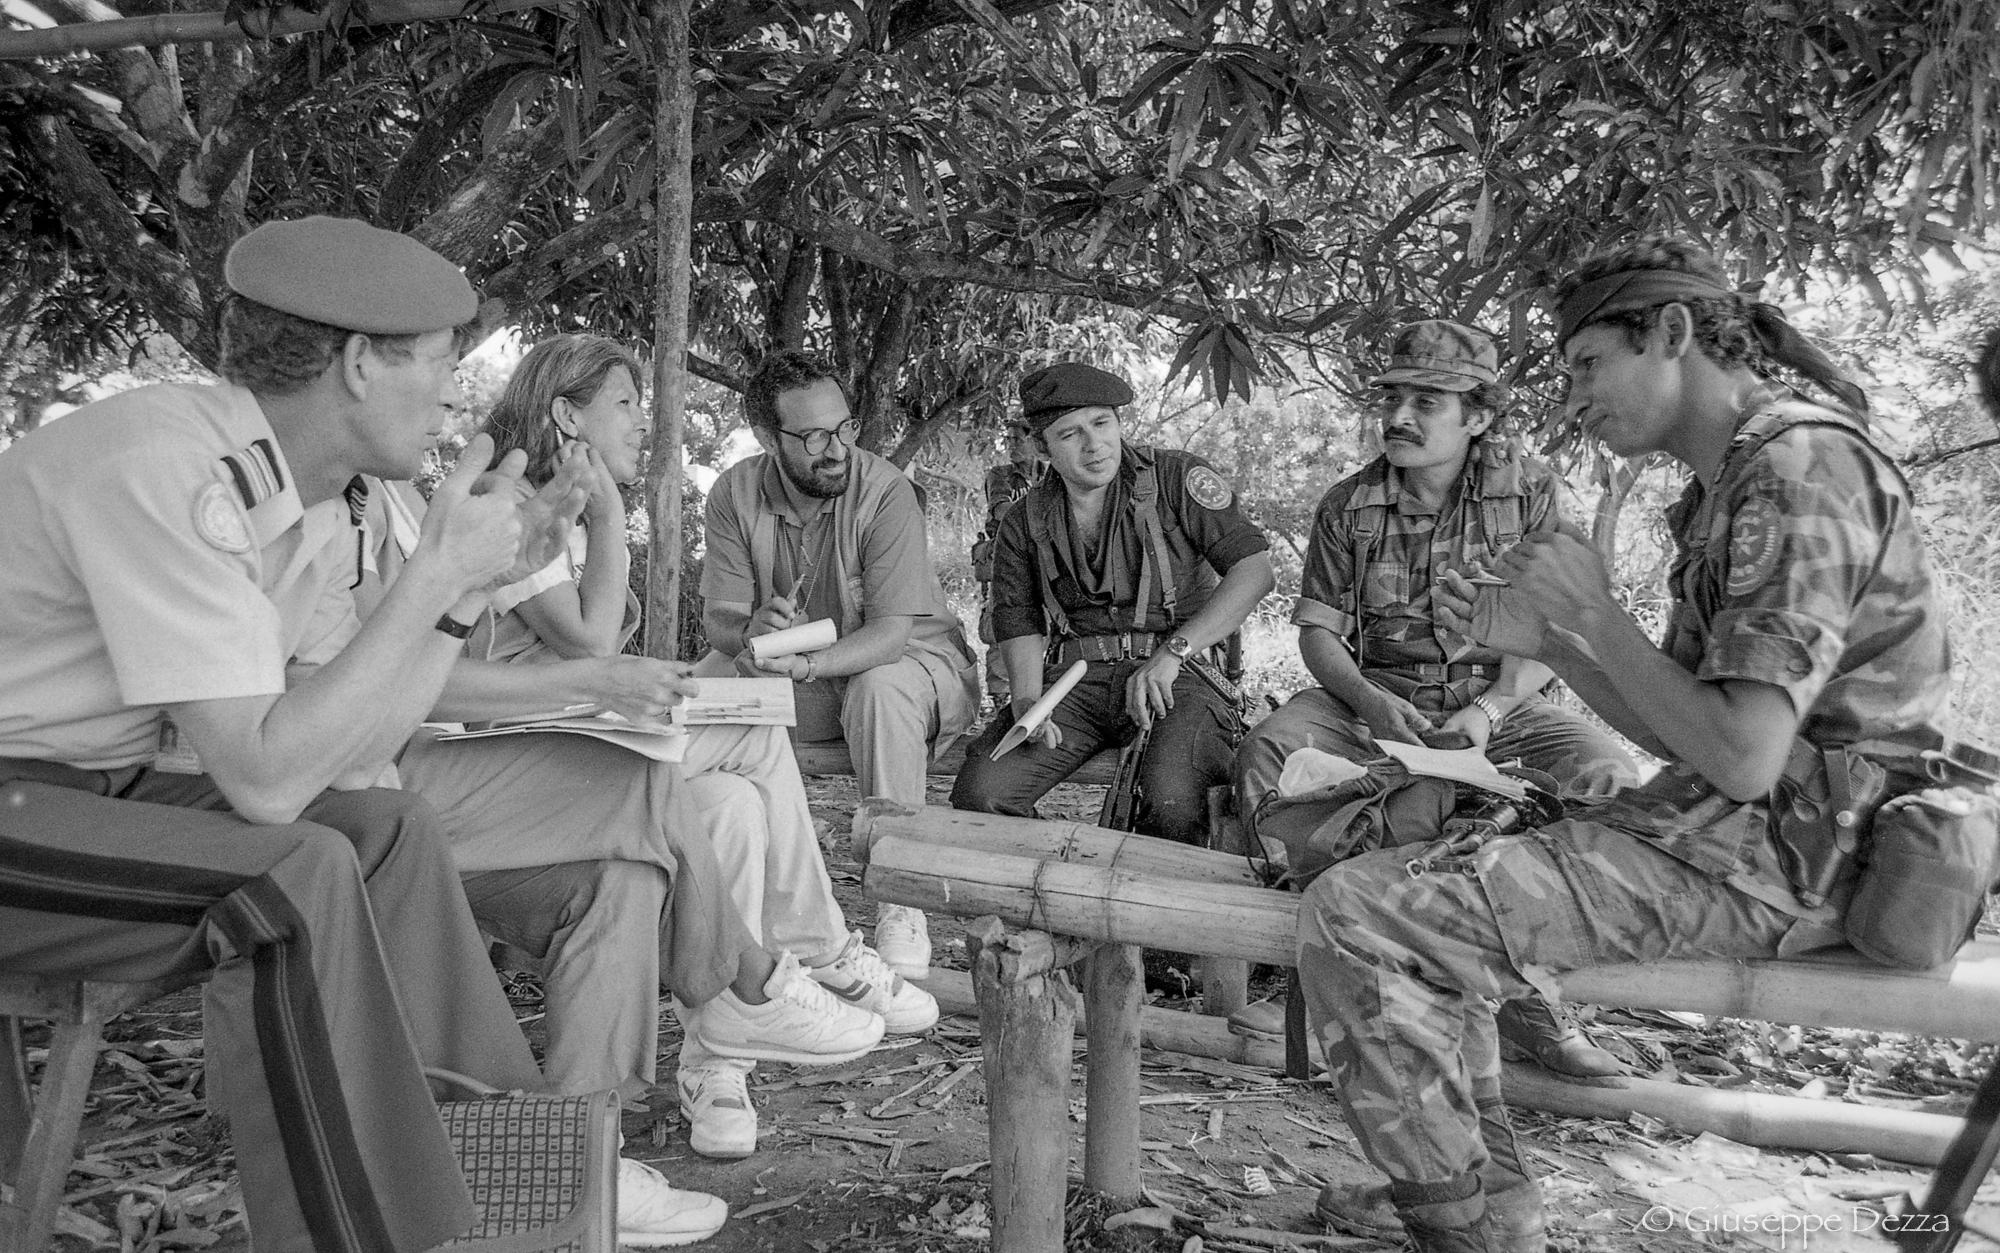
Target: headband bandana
1628, 290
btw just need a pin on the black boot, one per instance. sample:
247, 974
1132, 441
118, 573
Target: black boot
1533, 1030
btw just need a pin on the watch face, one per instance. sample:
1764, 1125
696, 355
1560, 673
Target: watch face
1179, 647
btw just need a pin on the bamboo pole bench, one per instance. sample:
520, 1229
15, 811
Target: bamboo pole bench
1047, 895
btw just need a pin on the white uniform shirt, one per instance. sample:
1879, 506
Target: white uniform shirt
153, 549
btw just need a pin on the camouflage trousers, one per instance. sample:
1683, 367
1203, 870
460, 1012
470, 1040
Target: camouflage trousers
1582, 758
1398, 968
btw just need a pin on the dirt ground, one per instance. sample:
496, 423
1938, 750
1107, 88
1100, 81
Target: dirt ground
890, 1152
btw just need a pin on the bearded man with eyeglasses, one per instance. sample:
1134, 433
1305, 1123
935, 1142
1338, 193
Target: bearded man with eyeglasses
816, 528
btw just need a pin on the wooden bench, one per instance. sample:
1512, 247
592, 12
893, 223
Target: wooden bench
1086, 894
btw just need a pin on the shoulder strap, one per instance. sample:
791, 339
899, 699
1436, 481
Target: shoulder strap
1775, 419
1364, 530
1038, 505
1146, 504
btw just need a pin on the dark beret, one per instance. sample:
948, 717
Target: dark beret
350, 275
1054, 390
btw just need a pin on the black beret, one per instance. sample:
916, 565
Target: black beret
350, 275
1054, 390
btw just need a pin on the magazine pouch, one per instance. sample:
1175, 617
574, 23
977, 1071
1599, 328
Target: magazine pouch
1934, 856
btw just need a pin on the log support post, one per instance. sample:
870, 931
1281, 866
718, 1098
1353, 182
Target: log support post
1114, 983
1027, 1022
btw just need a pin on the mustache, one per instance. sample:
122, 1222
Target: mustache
1408, 434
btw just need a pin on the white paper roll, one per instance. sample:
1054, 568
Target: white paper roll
807, 637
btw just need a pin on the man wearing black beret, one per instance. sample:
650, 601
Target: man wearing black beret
1134, 560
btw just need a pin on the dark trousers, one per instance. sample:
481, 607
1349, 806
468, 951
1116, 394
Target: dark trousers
344, 956
1189, 752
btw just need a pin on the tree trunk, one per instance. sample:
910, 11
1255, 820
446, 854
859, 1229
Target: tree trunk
673, 133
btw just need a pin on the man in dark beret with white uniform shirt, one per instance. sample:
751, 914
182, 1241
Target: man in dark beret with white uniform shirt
170, 803
1114, 558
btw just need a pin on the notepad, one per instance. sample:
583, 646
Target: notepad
1460, 765
745, 702
658, 741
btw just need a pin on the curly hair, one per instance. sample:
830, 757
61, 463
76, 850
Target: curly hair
569, 367
1496, 399
778, 373
1730, 330
276, 353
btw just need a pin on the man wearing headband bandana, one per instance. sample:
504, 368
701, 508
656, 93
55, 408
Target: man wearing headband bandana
1804, 660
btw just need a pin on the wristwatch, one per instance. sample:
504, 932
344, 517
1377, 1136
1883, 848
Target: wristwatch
1489, 707
1179, 647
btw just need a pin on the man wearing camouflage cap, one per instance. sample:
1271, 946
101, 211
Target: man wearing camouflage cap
1448, 491
173, 800
1803, 669
1113, 558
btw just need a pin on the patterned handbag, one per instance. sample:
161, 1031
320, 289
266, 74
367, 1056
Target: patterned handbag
543, 1171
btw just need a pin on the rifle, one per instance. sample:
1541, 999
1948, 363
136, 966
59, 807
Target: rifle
1121, 802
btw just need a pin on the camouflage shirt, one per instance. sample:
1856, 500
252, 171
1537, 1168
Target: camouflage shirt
1367, 521
1802, 568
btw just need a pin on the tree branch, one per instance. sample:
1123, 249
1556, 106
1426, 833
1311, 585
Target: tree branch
102, 223
480, 206
419, 165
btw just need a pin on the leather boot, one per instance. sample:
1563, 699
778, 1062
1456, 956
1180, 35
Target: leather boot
1506, 1222
1513, 1219
1532, 1030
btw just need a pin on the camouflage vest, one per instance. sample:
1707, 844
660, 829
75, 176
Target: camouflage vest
1500, 520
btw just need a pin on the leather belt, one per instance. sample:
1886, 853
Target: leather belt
1441, 672
1121, 647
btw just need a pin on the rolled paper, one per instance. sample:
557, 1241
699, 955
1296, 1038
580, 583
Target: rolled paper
807, 637
1039, 712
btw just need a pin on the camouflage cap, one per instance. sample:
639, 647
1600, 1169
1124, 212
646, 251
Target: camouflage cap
1443, 355
1054, 390
350, 275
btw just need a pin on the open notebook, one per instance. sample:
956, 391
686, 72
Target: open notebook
1460, 765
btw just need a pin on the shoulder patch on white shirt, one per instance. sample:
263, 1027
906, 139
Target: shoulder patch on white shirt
219, 519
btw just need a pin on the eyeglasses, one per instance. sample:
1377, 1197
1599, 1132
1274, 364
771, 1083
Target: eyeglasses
817, 441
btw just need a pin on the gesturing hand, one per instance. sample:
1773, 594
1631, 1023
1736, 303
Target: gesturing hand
473, 536
1502, 618
777, 613
547, 515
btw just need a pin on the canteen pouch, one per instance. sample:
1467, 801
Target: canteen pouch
1933, 858
1820, 811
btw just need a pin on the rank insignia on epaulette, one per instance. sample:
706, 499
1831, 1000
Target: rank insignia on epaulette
255, 472
1208, 489
220, 520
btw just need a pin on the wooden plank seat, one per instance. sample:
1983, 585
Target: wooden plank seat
1094, 892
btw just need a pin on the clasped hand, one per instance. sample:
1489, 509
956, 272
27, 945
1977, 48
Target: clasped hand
1550, 581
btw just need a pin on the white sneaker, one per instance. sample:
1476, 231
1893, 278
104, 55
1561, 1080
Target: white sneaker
802, 1023
716, 1103
903, 938
859, 976
653, 1214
